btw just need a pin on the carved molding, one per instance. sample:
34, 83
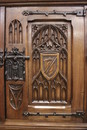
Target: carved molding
16, 95
42, 2
79, 13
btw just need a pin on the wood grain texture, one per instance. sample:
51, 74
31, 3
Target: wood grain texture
25, 125
2, 86
42, 2
15, 42
74, 1
19, 93
85, 74
75, 39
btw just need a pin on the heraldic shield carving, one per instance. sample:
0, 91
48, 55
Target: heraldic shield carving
49, 65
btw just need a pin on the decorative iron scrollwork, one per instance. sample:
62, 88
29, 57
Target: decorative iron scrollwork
78, 114
1, 58
78, 13
15, 64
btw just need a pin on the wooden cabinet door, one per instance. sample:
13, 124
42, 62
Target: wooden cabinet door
49, 65
44, 64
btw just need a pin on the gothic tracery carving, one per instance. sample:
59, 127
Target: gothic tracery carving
49, 41
15, 32
15, 95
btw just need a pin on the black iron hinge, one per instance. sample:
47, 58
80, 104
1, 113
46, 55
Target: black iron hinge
78, 114
79, 13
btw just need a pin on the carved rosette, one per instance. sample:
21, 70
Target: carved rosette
16, 95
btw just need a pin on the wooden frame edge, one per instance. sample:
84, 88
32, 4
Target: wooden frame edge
42, 2
25, 125
2, 41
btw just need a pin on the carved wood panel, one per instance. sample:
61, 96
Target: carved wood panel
15, 95
15, 66
49, 63
15, 32
48, 40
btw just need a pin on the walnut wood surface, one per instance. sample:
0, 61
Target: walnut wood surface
85, 66
41, 2
32, 27
26, 125
25, 95
2, 84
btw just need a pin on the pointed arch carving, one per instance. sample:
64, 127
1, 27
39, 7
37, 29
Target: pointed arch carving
49, 48
15, 32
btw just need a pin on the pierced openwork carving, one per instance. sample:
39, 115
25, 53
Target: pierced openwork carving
49, 57
15, 32
15, 64
16, 95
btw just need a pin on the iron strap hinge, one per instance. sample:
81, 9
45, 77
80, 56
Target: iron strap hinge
75, 114
79, 13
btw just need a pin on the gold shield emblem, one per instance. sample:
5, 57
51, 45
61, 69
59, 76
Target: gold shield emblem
49, 65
